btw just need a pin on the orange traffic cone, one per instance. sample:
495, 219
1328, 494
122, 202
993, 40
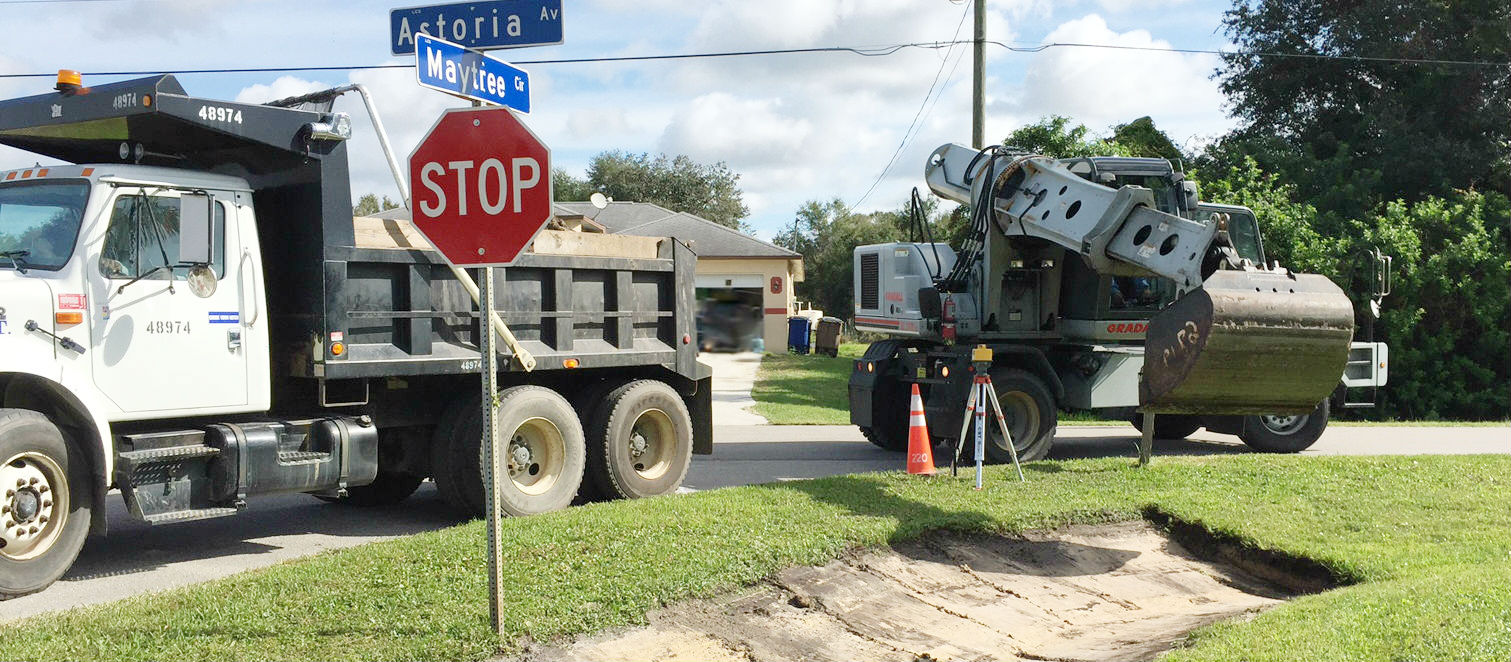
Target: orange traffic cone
920, 451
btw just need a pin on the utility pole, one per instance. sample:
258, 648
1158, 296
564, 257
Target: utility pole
978, 85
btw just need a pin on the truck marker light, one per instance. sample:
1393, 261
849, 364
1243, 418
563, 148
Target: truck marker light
944, 371
570, 363
10, 175
26, 174
338, 348
87, 172
68, 318
686, 338
146, 100
42, 172
870, 367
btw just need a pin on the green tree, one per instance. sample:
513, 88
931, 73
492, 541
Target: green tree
1353, 131
826, 234
566, 188
1055, 136
1141, 138
369, 204
677, 183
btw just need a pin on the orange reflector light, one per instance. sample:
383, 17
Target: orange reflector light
42, 172
146, 99
10, 175
68, 318
570, 363
338, 348
88, 171
26, 174
870, 367
944, 371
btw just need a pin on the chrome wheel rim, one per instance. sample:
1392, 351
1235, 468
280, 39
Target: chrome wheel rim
33, 505
536, 456
652, 440
1284, 424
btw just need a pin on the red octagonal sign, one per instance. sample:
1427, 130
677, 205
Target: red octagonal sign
480, 183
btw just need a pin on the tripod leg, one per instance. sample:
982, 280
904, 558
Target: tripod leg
965, 423
1146, 445
1012, 450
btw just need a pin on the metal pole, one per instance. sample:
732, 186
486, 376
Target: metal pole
493, 470
978, 85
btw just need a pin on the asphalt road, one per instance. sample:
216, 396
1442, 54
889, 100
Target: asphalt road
136, 558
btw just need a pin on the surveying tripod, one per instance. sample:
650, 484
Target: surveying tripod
982, 392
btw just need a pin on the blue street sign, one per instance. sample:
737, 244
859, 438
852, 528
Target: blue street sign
447, 67
478, 25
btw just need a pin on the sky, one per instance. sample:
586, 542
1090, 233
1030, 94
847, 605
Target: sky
794, 127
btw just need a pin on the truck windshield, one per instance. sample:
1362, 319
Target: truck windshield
39, 221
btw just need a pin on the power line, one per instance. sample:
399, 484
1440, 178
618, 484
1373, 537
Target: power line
907, 135
878, 51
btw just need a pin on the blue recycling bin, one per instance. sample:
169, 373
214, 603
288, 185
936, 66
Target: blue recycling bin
798, 329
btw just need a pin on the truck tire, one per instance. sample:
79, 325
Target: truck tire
640, 442
1284, 434
1169, 426
543, 440
889, 418
45, 503
1029, 407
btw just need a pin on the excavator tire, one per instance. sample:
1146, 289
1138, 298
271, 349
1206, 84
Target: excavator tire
1029, 408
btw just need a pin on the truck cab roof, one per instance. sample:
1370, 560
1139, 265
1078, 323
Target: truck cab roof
120, 173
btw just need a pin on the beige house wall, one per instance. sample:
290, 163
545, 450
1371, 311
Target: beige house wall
776, 306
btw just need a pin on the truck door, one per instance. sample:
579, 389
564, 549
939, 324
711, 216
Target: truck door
162, 347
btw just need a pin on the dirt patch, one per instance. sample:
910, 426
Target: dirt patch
1108, 592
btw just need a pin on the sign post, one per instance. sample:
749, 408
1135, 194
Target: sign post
482, 191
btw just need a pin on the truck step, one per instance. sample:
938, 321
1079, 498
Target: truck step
170, 454
186, 515
291, 457
163, 439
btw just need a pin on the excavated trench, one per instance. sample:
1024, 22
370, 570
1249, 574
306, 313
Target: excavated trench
1124, 591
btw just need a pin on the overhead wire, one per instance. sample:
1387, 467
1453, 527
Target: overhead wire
909, 133
876, 51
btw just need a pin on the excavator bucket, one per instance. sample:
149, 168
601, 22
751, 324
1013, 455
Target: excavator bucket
1248, 341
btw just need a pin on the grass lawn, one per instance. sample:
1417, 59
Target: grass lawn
792, 389
1424, 541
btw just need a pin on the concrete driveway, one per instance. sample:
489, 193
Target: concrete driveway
734, 375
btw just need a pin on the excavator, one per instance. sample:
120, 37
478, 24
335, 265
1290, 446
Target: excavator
1102, 284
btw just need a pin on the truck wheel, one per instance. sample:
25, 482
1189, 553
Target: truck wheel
1284, 434
44, 505
640, 442
542, 439
1029, 408
1169, 426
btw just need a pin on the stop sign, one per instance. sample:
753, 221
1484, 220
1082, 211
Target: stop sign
480, 183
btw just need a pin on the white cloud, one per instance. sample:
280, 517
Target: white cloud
1101, 87
281, 88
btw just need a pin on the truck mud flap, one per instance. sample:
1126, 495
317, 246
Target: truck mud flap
1248, 342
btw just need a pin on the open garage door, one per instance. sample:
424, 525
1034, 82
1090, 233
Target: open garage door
729, 311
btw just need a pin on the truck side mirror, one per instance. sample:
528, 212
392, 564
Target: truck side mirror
1188, 191
196, 232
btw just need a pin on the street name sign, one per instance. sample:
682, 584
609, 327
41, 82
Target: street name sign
481, 186
442, 65
478, 25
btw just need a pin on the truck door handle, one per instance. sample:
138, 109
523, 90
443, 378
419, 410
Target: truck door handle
233, 339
